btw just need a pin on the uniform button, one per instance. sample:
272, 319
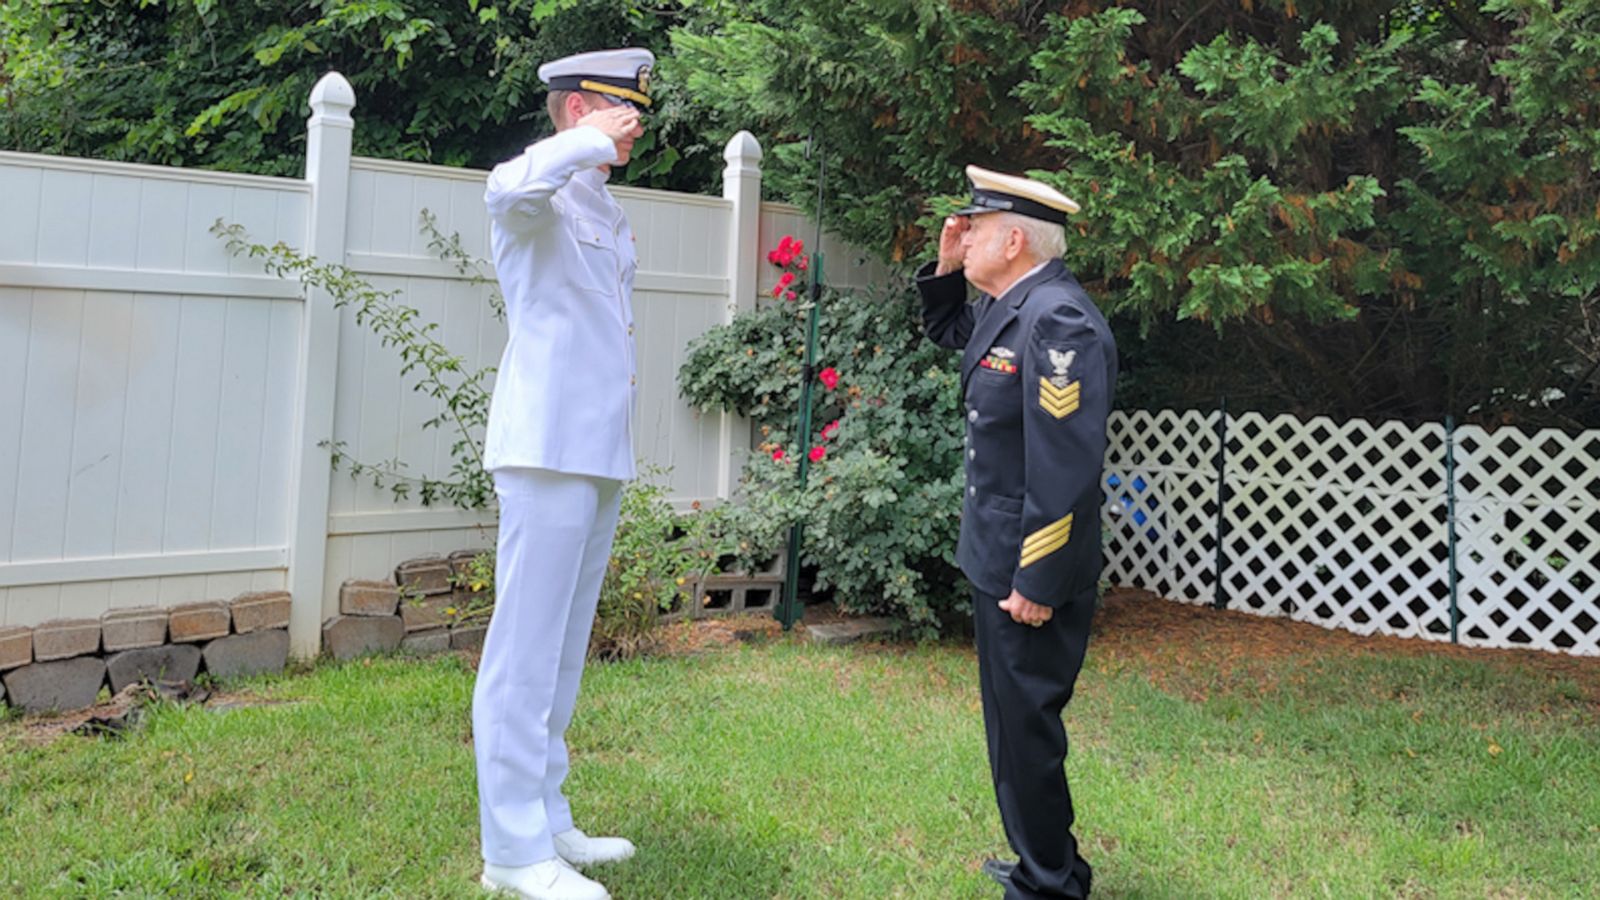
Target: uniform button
972, 415
630, 331
972, 492
972, 454
633, 379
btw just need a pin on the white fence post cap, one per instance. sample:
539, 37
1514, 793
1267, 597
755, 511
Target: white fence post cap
333, 96
742, 147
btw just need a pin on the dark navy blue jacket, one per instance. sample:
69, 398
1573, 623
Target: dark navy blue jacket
1037, 378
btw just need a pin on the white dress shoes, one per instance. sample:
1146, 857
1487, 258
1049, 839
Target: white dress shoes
579, 849
548, 880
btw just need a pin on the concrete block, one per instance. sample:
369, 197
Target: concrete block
469, 638
426, 643
65, 638
168, 662
426, 576
260, 612
461, 563
735, 592
62, 685
347, 637
427, 612
132, 628
851, 630
242, 655
368, 598
194, 622
16, 646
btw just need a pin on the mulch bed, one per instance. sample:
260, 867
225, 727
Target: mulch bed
1171, 641
122, 713
1166, 637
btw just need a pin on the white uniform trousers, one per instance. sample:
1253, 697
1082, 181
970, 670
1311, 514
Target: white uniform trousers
555, 540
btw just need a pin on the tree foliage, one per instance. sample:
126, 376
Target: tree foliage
1354, 208
1343, 208
224, 85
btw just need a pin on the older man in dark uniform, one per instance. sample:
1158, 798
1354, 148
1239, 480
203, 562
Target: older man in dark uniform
1037, 376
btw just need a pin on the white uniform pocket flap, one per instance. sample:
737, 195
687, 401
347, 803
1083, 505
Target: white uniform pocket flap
592, 234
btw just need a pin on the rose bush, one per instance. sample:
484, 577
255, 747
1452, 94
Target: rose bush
884, 494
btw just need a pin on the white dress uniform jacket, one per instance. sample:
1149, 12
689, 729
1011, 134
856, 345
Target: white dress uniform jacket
565, 392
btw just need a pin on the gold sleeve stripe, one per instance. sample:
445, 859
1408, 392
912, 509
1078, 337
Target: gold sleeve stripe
1049, 531
1046, 540
1032, 556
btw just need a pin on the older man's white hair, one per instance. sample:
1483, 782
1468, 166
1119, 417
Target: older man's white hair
1045, 240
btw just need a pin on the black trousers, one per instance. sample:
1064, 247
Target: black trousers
1026, 675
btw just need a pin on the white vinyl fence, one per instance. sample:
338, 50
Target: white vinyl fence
1347, 525
165, 409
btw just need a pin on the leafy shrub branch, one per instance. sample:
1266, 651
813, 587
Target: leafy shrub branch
462, 392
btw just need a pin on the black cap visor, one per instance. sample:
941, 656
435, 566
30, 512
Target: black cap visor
994, 201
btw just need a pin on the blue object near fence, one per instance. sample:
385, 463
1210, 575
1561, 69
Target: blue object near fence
1131, 503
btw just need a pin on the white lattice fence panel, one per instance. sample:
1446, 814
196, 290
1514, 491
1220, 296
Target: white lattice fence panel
1344, 524
1363, 561
1178, 441
1340, 524
1529, 531
1389, 457
1160, 510
1546, 467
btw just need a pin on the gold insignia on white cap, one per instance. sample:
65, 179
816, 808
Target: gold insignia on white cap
998, 192
624, 74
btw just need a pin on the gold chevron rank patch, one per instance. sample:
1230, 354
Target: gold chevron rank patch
1046, 540
1059, 401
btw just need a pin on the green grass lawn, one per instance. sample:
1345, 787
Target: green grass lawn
784, 770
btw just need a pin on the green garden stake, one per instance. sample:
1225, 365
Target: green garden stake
788, 611
1221, 601
1450, 524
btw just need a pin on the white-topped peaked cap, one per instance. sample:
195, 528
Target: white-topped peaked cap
996, 192
624, 74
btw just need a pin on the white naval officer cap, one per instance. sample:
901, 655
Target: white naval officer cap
996, 192
624, 74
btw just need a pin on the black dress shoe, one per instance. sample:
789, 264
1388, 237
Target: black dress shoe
1000, 870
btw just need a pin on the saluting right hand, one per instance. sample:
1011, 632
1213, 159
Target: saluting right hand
619, 123
952, 253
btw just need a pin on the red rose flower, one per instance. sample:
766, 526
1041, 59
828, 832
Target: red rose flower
787, 279
829, 430
817, 453
777, 455
789, 295
784, 254
829, 377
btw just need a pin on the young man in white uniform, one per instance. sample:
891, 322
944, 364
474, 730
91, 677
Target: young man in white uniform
560, 447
